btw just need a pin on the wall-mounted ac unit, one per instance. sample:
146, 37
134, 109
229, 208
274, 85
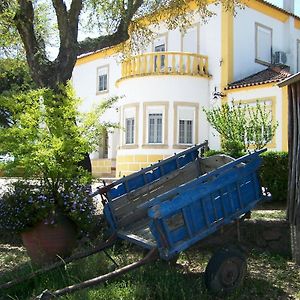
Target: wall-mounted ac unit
279, 57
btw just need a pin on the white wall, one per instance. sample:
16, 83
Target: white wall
244, 40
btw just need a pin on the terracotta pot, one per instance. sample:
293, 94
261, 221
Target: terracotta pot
45, 243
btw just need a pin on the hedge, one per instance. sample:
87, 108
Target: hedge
273, 173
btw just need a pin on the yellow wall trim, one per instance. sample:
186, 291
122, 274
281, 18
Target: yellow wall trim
249, 88
97, 55
227, 49
285, 118
297, 23
267, 10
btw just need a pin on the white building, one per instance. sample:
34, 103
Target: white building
164, 88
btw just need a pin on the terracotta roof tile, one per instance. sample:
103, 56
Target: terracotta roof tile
275, 73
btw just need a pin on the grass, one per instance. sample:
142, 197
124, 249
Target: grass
269, 277
269, 215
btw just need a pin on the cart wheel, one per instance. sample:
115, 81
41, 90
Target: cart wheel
225, 271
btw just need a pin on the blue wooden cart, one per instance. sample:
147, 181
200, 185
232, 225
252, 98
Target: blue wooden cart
173, 204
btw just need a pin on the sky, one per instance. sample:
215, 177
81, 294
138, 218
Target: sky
279, 3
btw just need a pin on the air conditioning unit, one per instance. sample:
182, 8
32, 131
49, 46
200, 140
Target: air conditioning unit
279, 57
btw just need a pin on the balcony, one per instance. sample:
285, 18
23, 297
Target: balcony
165, 63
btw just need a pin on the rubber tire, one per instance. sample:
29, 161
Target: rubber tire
220, 280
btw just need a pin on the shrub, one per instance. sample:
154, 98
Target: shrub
242, 126
274, 174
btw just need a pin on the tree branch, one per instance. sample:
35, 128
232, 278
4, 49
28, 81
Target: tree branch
35, 50
121, 34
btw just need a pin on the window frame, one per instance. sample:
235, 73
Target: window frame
131, 130
273, 101
197, 27
157, 134
195, 123
98, 91
186, 133
257, 59
159, 107
129, 111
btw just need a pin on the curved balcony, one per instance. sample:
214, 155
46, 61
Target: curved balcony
165, 63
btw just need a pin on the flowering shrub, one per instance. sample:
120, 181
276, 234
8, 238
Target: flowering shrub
26, 204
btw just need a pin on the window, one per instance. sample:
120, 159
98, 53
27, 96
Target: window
185, 125
190, 40
263, 44
159, 45
260, 132
155, 131
155, 128
129, 131
185, 131
102, 82
159, 48
130, 120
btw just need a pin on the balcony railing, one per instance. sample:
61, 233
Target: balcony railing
165, 63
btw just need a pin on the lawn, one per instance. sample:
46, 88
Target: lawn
269, 276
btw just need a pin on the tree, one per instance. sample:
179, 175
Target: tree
242, 126
114, 20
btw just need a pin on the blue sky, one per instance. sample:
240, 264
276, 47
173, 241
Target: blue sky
279, 3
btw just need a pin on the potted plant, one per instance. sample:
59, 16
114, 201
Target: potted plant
49, 224
49, 139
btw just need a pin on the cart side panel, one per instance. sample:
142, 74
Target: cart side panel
200, 211
154, 172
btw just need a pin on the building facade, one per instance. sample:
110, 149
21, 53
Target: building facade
163, 89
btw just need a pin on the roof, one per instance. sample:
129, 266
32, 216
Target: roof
278, 8
290, 80
275, 73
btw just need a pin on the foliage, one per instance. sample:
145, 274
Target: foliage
49, 138
14, 76
274, 174
10, 42
26, 204
242, 126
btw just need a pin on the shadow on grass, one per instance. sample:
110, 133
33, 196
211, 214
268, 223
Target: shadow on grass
154, 281
159, 281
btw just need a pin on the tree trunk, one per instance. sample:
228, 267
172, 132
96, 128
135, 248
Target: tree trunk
295, 241
293, 203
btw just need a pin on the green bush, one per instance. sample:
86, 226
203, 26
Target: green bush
273, 172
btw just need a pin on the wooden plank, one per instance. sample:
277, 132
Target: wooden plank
131, 212
154, 189
211, 163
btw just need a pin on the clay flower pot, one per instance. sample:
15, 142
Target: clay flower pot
45, 243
